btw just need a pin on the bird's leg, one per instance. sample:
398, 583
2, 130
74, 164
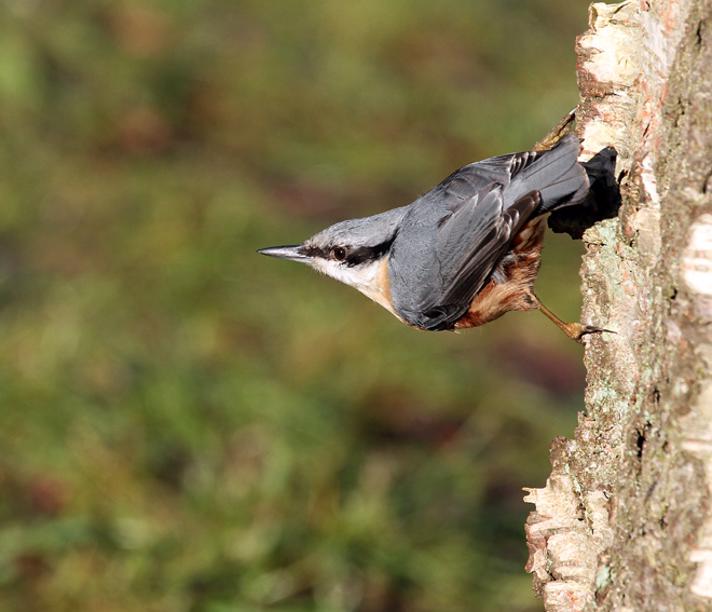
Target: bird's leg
575, 331
560, 130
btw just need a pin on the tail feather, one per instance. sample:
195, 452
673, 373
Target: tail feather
555, 174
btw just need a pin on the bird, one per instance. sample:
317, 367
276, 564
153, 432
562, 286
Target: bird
467, 251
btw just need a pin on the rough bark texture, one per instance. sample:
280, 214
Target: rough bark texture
625, 521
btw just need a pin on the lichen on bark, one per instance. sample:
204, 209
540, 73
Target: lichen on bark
624, 522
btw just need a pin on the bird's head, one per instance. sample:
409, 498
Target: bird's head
353, 252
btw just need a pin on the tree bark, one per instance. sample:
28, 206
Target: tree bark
625, 521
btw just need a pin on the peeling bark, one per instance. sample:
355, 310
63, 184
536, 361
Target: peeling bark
624, 521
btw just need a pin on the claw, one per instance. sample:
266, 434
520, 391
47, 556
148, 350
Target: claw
557, 133
576, 331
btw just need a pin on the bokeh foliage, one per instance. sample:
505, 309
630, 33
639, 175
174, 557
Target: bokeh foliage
186, 426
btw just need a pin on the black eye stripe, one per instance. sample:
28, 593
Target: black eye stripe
359, 255
353, 256
363, 254
311, 250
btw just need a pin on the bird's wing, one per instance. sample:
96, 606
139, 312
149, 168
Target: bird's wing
440, 261
488, 235
500, 169
452, 238
555, 173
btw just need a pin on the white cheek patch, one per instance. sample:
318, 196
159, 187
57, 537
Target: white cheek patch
362, 277
365, 277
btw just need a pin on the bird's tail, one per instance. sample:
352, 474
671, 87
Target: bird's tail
555, 174
576, 194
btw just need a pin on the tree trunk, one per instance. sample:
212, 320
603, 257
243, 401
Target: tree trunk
625, 521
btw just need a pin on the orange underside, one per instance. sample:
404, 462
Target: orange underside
515, 293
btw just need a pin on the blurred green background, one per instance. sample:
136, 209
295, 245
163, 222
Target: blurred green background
187, 426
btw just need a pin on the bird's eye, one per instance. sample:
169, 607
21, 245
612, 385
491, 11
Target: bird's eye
339, 253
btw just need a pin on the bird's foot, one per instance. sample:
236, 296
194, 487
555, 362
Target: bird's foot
577, 331
557, 133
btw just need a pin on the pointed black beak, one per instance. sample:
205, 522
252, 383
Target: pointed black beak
292, 251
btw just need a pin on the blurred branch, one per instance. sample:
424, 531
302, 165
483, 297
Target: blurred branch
624, 521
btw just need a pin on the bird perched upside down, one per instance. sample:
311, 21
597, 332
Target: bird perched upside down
467, 251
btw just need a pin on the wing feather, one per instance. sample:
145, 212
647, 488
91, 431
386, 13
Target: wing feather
475, 237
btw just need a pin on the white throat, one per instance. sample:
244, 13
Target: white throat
369, 278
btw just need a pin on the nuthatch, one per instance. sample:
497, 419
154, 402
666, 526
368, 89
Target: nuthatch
467, 251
